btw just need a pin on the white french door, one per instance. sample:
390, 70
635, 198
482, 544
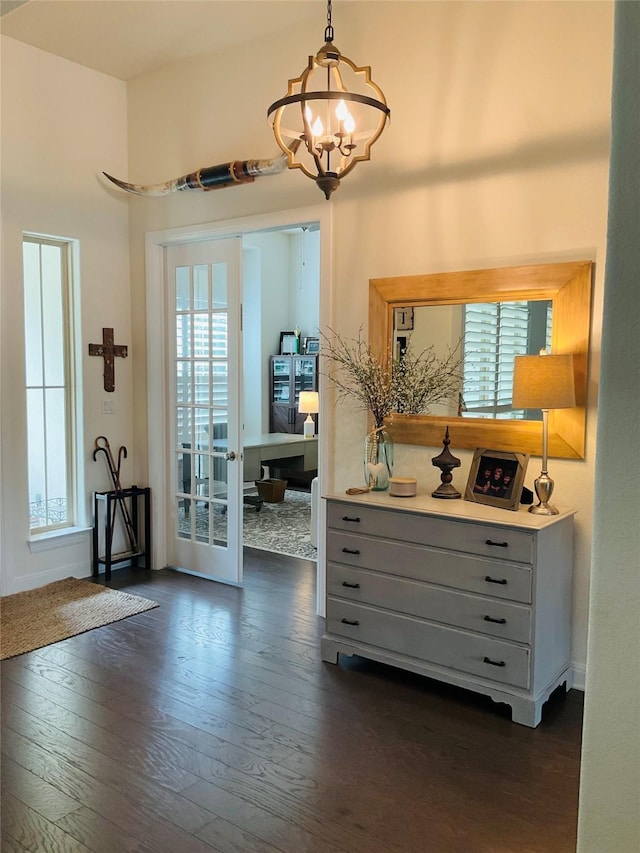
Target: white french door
203, 298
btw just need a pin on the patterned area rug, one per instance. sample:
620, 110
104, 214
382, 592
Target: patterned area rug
283, 528
39, 617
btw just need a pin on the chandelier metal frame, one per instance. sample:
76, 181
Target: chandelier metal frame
333, 143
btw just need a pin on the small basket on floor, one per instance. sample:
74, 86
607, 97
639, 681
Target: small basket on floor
271, 491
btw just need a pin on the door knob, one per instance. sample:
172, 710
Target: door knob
230, 456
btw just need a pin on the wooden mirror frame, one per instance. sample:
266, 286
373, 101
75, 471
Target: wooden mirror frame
567, 285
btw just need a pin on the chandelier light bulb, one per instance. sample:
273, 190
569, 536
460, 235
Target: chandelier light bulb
341, 111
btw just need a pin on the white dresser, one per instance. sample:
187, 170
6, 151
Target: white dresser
465, 593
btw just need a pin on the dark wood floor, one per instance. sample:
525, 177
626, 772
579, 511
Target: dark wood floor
210, 723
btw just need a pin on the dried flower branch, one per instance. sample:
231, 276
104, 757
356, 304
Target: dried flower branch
410, 384
423, 379
358, 374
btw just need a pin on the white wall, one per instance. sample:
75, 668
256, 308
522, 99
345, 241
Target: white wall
304, 292
497, 154
274, 283
254, 395
610, 778
61, 125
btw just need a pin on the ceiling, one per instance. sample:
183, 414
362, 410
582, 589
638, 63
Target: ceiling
128, 38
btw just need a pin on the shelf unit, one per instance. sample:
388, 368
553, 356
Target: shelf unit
289, 375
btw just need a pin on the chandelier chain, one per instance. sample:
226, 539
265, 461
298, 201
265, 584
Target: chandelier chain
328, 33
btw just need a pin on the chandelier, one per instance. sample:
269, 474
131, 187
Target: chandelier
335, 110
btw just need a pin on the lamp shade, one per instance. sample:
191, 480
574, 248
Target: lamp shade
309, 402
543, 382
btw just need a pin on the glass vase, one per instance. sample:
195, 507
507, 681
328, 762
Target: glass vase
378, 459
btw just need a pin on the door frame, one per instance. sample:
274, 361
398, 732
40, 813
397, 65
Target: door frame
157, 439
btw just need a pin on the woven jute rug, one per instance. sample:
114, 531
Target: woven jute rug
36, 618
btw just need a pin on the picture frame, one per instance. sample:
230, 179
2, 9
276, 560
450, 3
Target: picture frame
496, 478
311, 346
403, 319
288, 343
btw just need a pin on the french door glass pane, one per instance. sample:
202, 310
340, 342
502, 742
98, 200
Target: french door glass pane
201, 287
184, 422
219, 334
201, 335
183, 289
202, 521
184, 517
202, 394
183, 335
183, 382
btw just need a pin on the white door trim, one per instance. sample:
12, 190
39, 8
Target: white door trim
155, 242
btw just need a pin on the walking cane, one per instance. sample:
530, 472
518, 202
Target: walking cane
102, 444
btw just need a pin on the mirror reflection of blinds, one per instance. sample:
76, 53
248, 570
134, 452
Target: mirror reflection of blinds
494, 333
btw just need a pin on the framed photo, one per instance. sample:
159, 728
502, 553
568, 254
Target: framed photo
496, 478
311, 346
403, 319
288, 343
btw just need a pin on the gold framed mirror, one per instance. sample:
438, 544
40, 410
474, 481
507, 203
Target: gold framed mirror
568, 287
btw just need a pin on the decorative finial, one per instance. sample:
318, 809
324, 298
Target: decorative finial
446, 461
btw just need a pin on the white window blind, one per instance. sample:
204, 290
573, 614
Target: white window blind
494, 333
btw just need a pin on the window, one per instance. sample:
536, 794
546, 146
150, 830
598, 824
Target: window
48, 309
494, 333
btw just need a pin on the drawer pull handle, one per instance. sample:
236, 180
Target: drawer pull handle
351, 585
350, 551
350, 622
497, 621
493, 662
356, 520
489, 579
496, 544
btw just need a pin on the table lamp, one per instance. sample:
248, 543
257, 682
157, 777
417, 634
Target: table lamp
309, 404
543, 382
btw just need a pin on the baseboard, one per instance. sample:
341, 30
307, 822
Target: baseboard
579, 677
38, 579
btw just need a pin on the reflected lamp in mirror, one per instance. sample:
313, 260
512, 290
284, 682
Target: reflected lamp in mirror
544, 382
309, 405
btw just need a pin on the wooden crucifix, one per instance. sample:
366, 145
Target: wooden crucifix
108, 350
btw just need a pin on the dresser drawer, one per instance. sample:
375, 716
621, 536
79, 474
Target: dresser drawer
468, 536
487, 657
499, 579
458, 609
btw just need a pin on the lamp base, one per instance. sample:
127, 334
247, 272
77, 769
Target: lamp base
544, 489
543, 509
309, 428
